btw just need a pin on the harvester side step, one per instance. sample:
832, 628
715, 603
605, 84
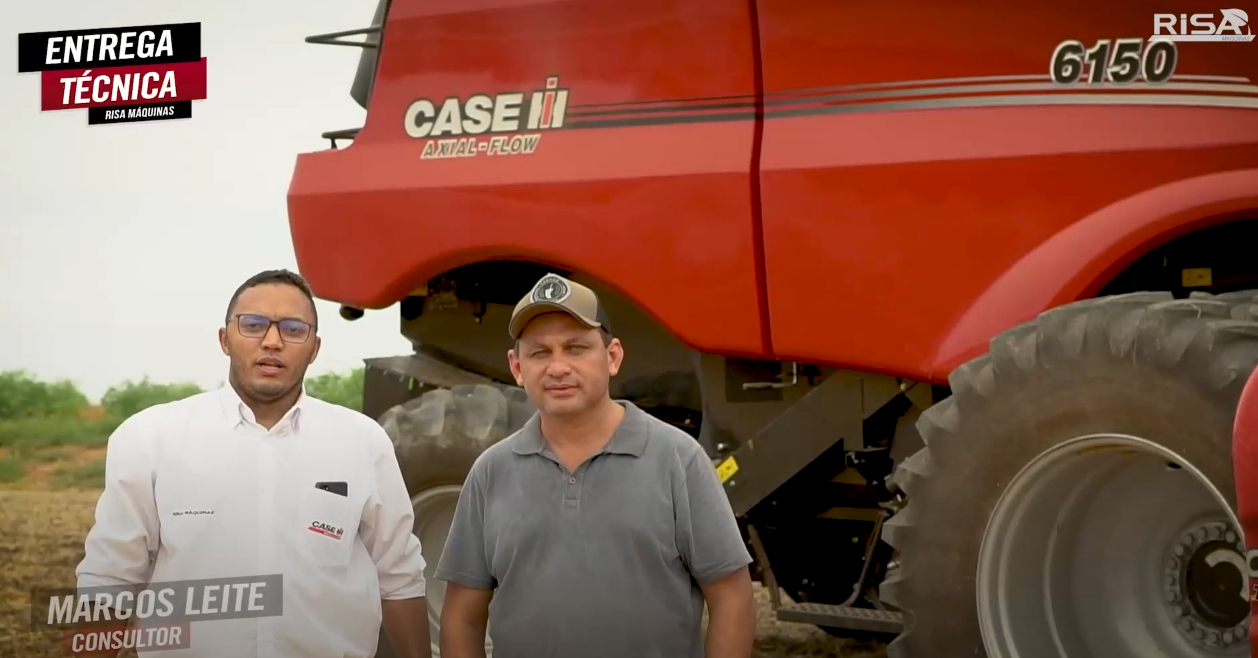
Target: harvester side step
842, 616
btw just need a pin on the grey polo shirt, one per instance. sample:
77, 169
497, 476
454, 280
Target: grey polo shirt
601, 562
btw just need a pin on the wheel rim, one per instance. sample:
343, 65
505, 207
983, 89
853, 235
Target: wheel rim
1111, 546
434, 513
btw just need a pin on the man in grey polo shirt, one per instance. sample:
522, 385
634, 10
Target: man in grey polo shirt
597, 530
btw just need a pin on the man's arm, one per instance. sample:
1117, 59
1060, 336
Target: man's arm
125, 536
465, 567
119, 548
731, 615
714, 551
405, 621
464, 619
387, 530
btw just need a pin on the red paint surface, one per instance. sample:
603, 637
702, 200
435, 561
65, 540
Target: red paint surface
662, 213
891, 241
114, 638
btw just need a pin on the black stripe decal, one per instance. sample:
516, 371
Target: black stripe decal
1133, 89
682, 103
1011, 100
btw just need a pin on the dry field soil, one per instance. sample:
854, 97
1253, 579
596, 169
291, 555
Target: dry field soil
41, 541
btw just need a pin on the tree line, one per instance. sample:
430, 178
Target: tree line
25, 396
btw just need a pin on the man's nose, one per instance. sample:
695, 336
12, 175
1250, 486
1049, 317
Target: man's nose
558, 367
271, 339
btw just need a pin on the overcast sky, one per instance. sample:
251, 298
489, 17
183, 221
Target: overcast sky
121, 245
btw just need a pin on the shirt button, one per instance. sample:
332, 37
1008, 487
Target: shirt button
572, 480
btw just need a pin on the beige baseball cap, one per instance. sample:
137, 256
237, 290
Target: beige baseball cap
554, 293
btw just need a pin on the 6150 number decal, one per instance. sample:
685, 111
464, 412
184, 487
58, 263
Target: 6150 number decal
1119, 61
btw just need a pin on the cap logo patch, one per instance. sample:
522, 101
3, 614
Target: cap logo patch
551, 289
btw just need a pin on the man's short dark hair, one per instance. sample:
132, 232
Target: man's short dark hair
280, 277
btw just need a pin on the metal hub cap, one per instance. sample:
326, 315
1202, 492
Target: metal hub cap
1204, 585
1111, 546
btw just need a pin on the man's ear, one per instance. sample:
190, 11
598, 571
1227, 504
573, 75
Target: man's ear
222, 341
513, 362
615, 356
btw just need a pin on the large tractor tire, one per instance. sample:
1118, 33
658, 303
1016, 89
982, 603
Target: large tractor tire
1075, 497
437, 437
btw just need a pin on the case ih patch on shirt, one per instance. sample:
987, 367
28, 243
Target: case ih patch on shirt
327, 530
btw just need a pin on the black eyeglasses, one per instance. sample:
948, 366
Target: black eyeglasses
292, 330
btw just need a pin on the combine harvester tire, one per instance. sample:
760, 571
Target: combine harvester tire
1075, 498
437, 437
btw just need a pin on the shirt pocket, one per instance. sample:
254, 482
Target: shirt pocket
328, 526
189, 503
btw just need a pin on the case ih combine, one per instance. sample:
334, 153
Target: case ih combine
957, 296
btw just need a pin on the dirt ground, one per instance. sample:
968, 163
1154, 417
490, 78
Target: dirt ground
41, 541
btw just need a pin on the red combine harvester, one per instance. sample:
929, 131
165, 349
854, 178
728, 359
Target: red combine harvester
957, 296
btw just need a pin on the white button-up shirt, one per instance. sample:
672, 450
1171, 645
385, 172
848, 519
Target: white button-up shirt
196, 489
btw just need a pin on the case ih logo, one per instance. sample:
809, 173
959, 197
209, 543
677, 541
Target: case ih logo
501, 124
327, 530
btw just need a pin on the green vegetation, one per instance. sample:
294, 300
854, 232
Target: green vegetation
89, 475
128, 398
23, 396
345, 390
53, 424
12, 469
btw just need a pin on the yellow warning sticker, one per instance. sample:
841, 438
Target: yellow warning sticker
726, 469
1195, 277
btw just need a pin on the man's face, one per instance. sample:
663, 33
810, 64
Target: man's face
563, 365
269, 366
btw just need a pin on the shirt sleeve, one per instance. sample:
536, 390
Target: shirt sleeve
387, 527
708, 537
464, 560
120, 546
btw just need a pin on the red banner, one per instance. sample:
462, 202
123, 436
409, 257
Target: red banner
122, 85
109, 641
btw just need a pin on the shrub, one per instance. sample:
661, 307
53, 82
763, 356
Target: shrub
26, 434
24, 396
343, 389
80, 476
128, 398
12, 469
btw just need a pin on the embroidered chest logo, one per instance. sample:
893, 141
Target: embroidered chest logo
327, 530
194, 512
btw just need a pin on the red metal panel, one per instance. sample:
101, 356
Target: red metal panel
916, 155
661, 212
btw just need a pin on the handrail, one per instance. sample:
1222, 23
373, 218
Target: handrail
334, 38
347, 133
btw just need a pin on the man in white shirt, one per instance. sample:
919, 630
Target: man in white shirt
258, 478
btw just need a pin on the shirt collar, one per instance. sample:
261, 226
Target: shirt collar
235, 411
630, 437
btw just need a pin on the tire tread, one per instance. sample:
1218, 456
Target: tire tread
1209, 340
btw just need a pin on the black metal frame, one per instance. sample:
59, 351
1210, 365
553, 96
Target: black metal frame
334, 38
333, 135
338, 39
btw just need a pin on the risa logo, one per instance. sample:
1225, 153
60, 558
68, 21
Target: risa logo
327, 530
481, 124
